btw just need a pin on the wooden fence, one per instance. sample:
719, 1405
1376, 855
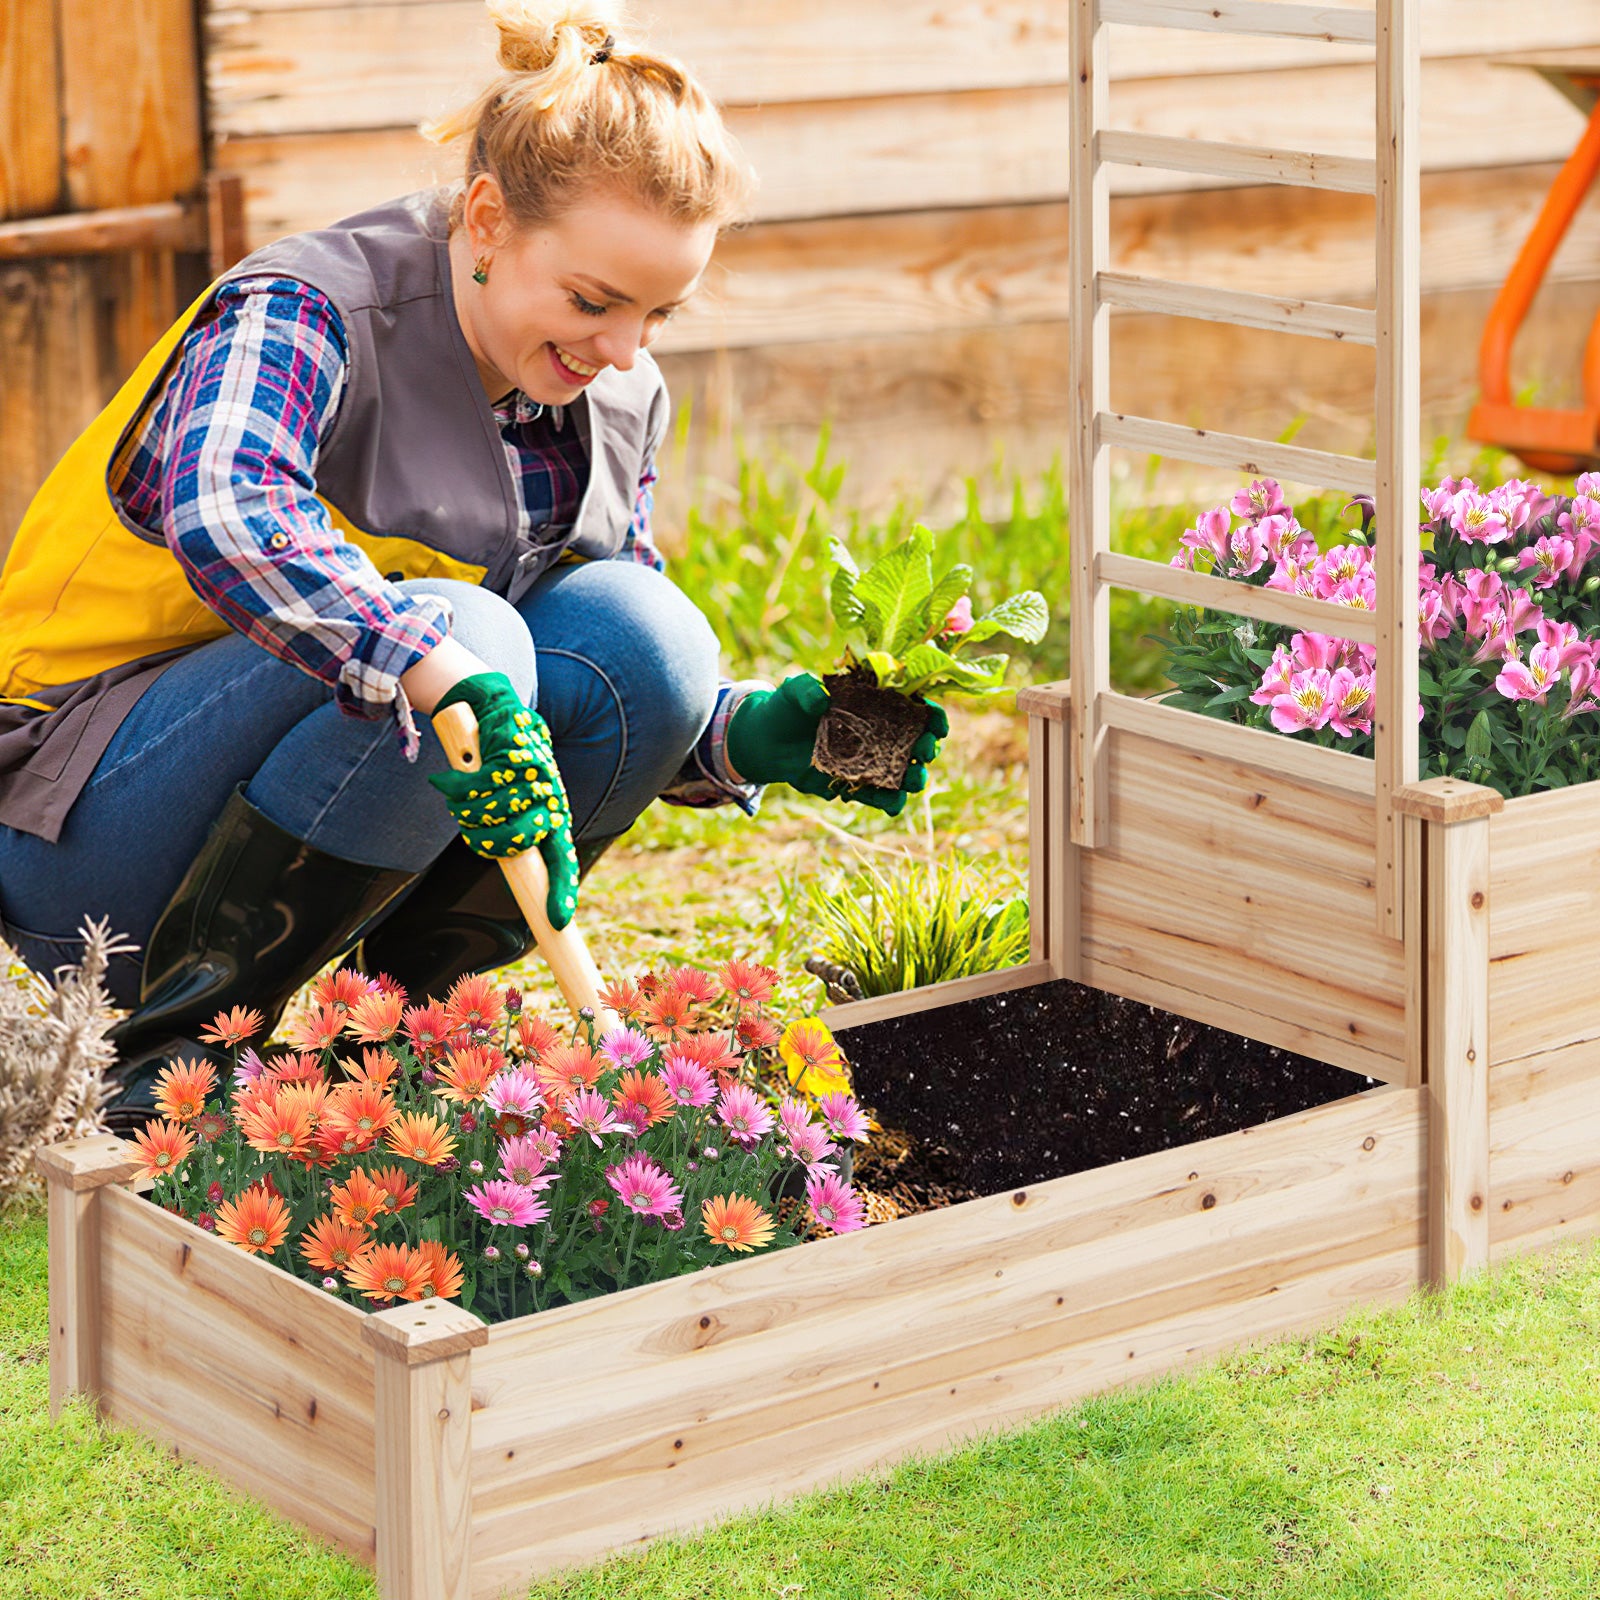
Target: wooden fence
905, 274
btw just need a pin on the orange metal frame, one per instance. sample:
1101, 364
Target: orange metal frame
1547, 440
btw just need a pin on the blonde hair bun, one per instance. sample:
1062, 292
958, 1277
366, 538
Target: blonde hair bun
535, 37
573, 109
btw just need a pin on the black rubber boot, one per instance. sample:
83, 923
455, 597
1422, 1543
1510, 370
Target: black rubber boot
459, 919
257, 914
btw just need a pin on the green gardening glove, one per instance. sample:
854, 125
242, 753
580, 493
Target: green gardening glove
514, 801
772, 731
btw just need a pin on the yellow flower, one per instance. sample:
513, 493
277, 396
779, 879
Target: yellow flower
813, 1060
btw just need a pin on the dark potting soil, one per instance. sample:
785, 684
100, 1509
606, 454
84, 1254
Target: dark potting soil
866, 735
1010, 1090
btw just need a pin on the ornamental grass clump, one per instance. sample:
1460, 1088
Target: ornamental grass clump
1509, 631
468, 1150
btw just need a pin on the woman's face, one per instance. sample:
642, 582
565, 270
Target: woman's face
569, 298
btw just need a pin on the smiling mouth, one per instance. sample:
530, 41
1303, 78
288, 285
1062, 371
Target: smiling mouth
579, 369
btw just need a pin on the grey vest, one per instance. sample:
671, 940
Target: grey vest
415, 449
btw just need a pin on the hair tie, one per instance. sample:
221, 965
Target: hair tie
603, 54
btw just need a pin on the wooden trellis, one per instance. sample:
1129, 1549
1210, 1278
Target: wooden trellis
1392, 176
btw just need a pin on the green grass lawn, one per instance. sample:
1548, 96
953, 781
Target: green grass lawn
1445, 1449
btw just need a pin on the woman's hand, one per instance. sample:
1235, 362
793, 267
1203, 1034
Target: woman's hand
772, 731
515, 800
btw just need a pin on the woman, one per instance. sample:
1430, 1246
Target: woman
377, 469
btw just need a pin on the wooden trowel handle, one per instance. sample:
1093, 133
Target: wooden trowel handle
564, 950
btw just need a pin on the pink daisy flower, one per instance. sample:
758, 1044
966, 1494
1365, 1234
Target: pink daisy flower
810, 1146
644, 1188
843, 1116
743, 1114
515, 1091
834, 1204
591, 1113
794, 1116
522, 1162
546, 1143
506, 1205
626, 1047
687, 1081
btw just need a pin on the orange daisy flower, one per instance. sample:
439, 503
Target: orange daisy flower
467, 1072
475, 1003
564, 1069
557, 1123
756, 1033
535, 1035
748, 982
421, 1138
736, 1223
624, 999
331, 1246
375, 1017
255, 1221
388, 1272
668, 1014
442, 1276
360, 1109
317, 1030
341, 990
312, 1096
812, 1058
646, 1091
428, 1029
229, 1028
330, 1143
358, 1202
181, 1089
163, 1147
377, 1068
711, 1051
304, 1066
382, 980
398, 1193
276, 1130
697, 987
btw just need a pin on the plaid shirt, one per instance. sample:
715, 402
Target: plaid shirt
224, 468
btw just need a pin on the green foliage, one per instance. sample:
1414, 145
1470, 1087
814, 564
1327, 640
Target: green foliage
760, 563
919, 923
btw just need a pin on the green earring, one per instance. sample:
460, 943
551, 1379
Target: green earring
480, 270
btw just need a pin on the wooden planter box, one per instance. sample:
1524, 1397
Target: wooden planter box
464, 1460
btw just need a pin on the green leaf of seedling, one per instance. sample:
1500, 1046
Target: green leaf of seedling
949, 589
929, 669
883, 666
1023, 616
895, 589
848, 610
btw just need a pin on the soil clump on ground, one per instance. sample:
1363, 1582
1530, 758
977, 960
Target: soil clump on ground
1010, 1090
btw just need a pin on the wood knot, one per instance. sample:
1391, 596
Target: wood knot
1566, 1177
1476, 1202
1477, 899
705, 1322
1207, 1201
1369, 1143
443, 1415
1020, 1198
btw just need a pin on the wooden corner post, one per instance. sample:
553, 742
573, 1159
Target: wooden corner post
75, 1172
422, 1446
1454, 820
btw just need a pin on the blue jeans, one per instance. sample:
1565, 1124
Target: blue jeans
620, 664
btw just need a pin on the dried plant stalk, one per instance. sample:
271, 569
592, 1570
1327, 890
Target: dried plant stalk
53, 1054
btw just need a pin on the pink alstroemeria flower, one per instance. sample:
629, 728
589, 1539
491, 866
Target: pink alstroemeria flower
1306, 705
1581, 685
1564, 639
1247, 551
1209, 535
1549, 559
1482, 593
1534, 680
1438, 502
1275, 680
1317, 650
1350, 697
1262, 499
1476, 518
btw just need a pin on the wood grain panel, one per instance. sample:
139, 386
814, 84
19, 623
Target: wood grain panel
766, 1377
915, 272
283, 69
1544, 1147
30, 109
131, 99
1235, 887
978, 147
240, 1367
1544, 862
